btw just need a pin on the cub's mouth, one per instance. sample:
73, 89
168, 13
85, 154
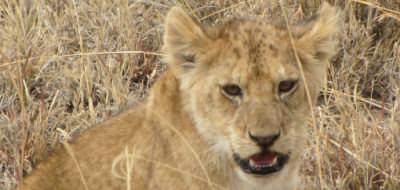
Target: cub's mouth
263, 163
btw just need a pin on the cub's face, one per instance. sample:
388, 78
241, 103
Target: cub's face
244, 88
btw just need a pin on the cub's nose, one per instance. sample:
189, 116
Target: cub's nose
265, 141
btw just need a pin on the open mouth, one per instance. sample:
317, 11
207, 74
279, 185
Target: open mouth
263, 163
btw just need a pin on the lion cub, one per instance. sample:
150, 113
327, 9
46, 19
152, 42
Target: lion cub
229, 113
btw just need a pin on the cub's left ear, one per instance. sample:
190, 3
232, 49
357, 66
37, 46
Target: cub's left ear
321, 35
184, 39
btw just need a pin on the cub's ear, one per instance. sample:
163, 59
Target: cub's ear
184, 39
320, 36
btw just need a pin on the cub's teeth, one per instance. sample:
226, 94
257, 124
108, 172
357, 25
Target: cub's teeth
274, 161
254, 165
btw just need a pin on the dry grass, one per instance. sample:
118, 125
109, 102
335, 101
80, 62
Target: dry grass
70, 64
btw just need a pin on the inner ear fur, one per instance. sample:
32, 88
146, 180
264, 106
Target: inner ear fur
184, 39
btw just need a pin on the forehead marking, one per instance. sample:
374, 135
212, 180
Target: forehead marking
254, 45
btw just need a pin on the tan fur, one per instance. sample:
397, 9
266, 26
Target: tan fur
185, 134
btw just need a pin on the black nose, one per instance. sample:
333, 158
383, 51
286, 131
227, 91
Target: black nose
265, 141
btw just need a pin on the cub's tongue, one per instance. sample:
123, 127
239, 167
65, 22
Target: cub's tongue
264, 159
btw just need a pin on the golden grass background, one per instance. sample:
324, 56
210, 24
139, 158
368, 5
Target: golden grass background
68, 64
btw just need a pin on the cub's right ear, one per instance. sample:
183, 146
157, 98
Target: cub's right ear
321, 38
184, 39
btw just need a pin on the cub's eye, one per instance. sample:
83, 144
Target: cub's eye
232, 90
287, 86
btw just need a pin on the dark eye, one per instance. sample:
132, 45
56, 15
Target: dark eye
232, 90
287, 86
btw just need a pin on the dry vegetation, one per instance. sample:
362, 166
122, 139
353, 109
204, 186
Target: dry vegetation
65, 65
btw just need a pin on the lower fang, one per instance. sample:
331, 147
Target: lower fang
252, 164
274, 161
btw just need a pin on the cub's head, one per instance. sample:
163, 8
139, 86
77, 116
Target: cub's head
243, 87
